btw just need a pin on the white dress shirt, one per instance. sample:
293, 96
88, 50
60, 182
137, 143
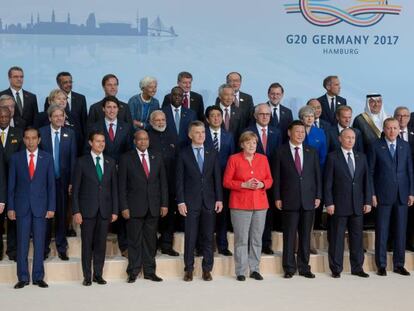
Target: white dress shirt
173, 111
405, 134
6, 131
20, 95
108, 123
34, 158
224, 111
146, 156
293, 151
345, 152
101, 161
260, 130
218, 131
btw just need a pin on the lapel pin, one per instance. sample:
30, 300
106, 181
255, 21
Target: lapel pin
65, 135
241, 100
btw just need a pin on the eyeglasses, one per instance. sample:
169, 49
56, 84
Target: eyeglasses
264, 114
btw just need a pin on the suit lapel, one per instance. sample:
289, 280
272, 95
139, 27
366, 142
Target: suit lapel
92, 167
39, 164
26, 164
137, 159
344, 162
194, 160
291, 159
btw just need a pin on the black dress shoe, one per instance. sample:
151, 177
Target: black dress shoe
207, 276
170, 252
188, 276
241, 278
288, 275
12, 258
21, 284
46, 255
63, 256
99, 280
361, 274
382, 272
131, 278
71, 233
267, 250
86, 282
401, 270
256, 275
225, 252
1, 255
41, 284
336, 275
308, 275
410, 248
153, 277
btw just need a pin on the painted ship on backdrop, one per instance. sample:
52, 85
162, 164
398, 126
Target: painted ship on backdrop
90, 28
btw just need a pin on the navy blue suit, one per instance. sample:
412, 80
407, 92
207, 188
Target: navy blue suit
67, 159
393, 182
327, 114
186, 117
333, 142
31, 199
285, 118
226, 149
199, 191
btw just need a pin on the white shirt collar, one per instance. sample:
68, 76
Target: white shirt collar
218, 131
53, 131
141, 152
35, 152
15, 91
259, 128
173, 109
94, 155
224, 107
292, 146
114, 122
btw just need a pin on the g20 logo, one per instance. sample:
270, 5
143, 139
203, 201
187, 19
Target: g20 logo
322, 13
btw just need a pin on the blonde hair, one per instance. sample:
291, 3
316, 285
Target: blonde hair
248, 135
53, 94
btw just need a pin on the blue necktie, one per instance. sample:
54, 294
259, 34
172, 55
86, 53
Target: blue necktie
56, 151
177, 120
392, 150
200, 160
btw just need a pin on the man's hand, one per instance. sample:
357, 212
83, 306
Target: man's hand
2, 206
367, 209
50, 214
70, 190
78, 218
11, 215
182, 209
278, 204
374, 201
330, 209
114, 217
125, 214
218, 207
317, 203
410, 200
164, 211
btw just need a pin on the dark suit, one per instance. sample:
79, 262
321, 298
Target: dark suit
14, 143
237, 122
97, 201
67, 158
410, 222
142, 196
226, 149
327, 113
298, 194
186, 117
393, 182
196, 104
324, 125
30, 108
164, 143
31, 199
348, 194
332, 136
246, 106
274, 140
96, 113
199, 191
285, 118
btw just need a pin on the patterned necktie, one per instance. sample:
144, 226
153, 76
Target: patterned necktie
144, 164
111, 132
236, 101
216, 142
226, 119
31, 166
200, 161
297, 161
185, 101
275, 117
99, 169
351, 165
56, 151
19, 103
177, 120
392, 150
264, 140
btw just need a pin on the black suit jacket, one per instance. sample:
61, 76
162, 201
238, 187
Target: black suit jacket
348, 193
14, 143
332, 135
196, 104
194, 188
237, 122
96, 113
246, 106
3, 181
30, 108
296, 191
327, 115
122, 142
89, 196
285, 118
138, 193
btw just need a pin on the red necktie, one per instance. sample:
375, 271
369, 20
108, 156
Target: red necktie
111, 132
144, 164
185, 101
297, 161
264, 140
31, 166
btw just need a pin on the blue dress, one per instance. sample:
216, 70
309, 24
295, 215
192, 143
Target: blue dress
316, 138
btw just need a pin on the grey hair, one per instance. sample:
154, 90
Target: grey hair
146, 81
257, 107
304, 111
224, 86
5, 97
154, 113
54, 107
395, 111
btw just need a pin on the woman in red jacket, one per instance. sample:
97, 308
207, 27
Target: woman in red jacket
247, 175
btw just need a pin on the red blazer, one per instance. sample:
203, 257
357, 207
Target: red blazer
238, 170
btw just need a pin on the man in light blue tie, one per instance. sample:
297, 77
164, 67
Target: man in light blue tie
60, 142
391, 170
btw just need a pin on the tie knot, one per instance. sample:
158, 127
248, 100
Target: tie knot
215, 134
263, 130
57, 133
176, 109
32, 155
349, 154
98, 159
296, 148
143, 155
111, 124
17, 93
